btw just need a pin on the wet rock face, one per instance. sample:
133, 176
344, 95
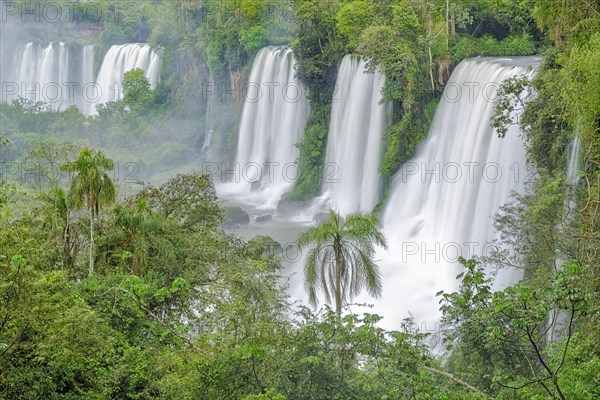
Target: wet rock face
235, 216
289, 206
264, 218
267, 245
320, 218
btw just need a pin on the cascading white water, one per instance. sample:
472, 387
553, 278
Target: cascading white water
205, 153
51, 74
41, 73
558, 320
120, 59
573, 160
273, 121
442, 202
351, 180
87, 80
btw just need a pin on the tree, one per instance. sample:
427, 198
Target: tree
92, 187
140, 233
340, 260
52, 344
59, 221
49, 154
507, 335
3, 197
188, 199
136, 89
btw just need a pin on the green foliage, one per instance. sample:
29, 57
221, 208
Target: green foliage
536, 229
202, 209
253, 38
545, 123
514, 45
511, 328
136, 90
404, 137
270, 394
91, 187
562, 21
51, 341
235, 30
516, 15
509, 99
403, 48
179, 309
581, 78
3, 184
318, 48
312, 149
353, 18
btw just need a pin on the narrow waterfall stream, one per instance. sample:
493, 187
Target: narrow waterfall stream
273, 121
558, 320
354, 144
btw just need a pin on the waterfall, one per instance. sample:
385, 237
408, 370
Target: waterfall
87, 80
442, 202
273, 120
208, 132
40, 73
62, 76
573, 160
351, 179
120, 59
558, 320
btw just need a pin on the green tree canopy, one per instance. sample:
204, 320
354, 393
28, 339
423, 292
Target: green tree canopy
136, 89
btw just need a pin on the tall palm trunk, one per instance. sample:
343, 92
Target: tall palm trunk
91, 267
338, 277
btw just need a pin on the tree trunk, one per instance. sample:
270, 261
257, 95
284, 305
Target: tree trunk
338, 279
447, 23
455, 379
431, 69
91, 268
430, 39
66, 242
135, 264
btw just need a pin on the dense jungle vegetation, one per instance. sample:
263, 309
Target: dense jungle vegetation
114, 288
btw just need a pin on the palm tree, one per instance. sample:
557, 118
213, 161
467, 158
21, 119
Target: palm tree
92, 187
340, 260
